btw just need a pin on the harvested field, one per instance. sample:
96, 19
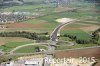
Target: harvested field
20, 25
41, 25
26, 25
86, 28
93, 52
2, 43
90, 28
84, 24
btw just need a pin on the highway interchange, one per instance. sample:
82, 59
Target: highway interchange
51, 46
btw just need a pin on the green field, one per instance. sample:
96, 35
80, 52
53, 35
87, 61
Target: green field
9, 46
29, 49
34, 21
79, 15
25, 8
48, 25
80, 34
64, 39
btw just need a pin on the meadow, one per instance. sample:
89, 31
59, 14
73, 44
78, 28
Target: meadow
9, 46
74, 15
30, 49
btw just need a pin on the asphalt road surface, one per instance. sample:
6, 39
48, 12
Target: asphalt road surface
54, 38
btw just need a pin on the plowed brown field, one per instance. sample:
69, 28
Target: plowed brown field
93, 52
27, 25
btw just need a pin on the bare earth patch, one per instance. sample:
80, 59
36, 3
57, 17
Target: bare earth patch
2, 43
26, 25
64, 20
19, 25
90, 28
93, 52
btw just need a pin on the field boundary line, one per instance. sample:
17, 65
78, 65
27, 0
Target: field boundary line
80, 48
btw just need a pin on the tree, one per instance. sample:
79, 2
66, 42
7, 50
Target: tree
37, 49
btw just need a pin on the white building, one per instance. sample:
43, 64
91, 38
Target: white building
10, 63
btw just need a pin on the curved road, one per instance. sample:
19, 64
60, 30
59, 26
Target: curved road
11, 52
54, 39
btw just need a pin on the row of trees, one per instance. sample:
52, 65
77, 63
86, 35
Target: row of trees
34, 36
96, 36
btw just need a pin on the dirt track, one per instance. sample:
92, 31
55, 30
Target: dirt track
94, 52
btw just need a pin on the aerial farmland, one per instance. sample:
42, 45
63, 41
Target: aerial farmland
52, 28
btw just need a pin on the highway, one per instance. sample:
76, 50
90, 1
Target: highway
55, 32
54, 39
